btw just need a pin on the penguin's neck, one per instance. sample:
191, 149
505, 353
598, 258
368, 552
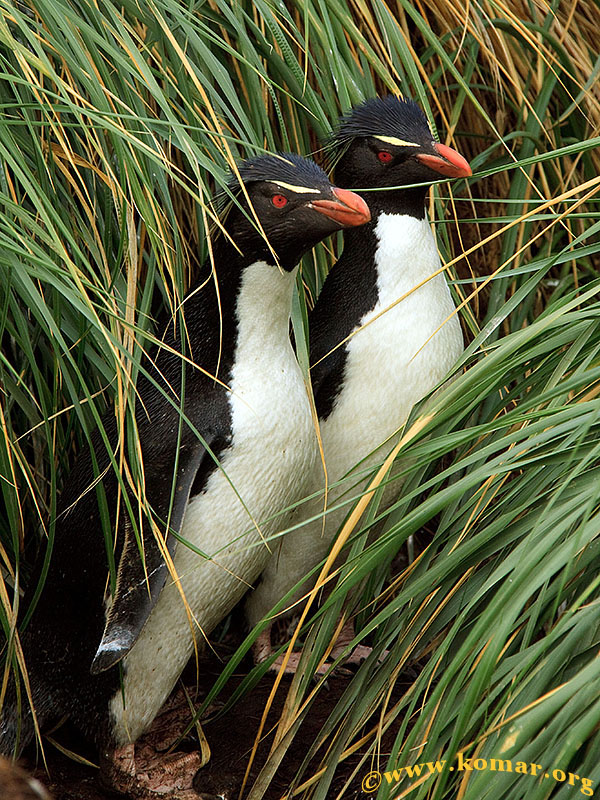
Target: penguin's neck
397, 251
240, 301
409, 202
406, 256
262, 311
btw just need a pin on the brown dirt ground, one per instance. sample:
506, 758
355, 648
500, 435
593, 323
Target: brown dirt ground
230, 736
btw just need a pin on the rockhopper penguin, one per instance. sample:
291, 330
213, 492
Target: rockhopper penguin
244, 396
365, 388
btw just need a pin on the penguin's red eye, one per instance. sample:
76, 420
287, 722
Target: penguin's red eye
279, 200
384, 156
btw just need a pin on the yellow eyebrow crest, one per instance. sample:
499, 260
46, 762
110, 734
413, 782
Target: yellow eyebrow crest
396, 142
297, 189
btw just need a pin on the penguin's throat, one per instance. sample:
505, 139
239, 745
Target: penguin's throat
406, 256
410, 202
263, 308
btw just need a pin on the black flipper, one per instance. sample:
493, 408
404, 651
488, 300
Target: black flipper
140, 580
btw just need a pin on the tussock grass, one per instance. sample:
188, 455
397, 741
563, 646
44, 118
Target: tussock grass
119, 122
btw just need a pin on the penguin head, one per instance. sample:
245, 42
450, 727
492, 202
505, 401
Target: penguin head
286, 206
387, 142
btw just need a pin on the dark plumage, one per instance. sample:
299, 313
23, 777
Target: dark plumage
280, 167
400, 118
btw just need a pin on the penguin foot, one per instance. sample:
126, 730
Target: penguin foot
262, 647
357, 656
170, 724
360, 652
138, 771
145, 770
290, 668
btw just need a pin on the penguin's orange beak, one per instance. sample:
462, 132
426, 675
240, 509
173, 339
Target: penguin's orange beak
349, 209
448, 162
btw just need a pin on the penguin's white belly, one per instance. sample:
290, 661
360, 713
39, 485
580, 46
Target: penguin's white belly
392, 363
398, 353
264, 470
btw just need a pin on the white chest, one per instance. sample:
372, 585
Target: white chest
265, 469
391, 364
400, 350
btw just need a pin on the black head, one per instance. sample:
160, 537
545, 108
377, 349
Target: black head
295, 205
388, 142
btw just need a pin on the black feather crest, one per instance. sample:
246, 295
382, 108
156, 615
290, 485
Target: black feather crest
399, 117
394, 116
285, 167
